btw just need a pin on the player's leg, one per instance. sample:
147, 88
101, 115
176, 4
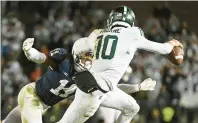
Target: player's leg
14, 116
83, 107
87, 98
30, 105
109, 115
117, 99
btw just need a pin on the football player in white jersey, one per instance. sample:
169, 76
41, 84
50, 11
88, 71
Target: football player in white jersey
114, 49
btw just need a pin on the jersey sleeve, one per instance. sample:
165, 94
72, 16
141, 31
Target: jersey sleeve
140, 31
140, 42
134, 32
145, 44
56, 56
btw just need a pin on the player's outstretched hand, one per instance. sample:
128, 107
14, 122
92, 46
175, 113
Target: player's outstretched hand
147, 85
175, 43
27, 44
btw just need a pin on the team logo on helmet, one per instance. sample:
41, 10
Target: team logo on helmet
121, 17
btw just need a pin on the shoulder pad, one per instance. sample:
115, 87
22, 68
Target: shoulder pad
80, 40
58, 54
138, 30
135, 31
98, 31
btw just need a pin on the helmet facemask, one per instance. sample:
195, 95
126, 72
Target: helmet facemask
83, 62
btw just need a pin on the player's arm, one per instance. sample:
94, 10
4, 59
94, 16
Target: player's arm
31, 53
162, 48
146, 85
141, 42
86, 44
52, 59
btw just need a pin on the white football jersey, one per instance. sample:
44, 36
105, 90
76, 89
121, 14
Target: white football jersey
114, 50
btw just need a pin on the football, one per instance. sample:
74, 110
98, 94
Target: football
176, 56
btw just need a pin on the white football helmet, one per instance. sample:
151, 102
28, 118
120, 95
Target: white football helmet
82, 62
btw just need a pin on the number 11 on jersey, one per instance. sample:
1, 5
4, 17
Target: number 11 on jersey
106, 40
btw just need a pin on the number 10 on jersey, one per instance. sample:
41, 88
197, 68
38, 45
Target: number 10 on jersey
106, 42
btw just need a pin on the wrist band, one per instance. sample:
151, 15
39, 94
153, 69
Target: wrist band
139, 87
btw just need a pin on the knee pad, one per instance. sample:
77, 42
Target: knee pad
132, 108
90, 111
136, 108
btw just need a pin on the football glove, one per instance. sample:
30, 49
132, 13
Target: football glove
27, 44
147, 85
175, 43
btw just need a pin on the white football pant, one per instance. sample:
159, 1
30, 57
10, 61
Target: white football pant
31, 106
85, 105
108, 115
14, 116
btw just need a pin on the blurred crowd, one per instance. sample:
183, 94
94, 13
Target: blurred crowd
59, 24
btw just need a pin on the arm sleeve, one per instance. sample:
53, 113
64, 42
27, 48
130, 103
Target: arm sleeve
35, 56
129, 88
145, 44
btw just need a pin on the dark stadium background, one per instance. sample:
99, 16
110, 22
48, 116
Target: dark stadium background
59, 24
